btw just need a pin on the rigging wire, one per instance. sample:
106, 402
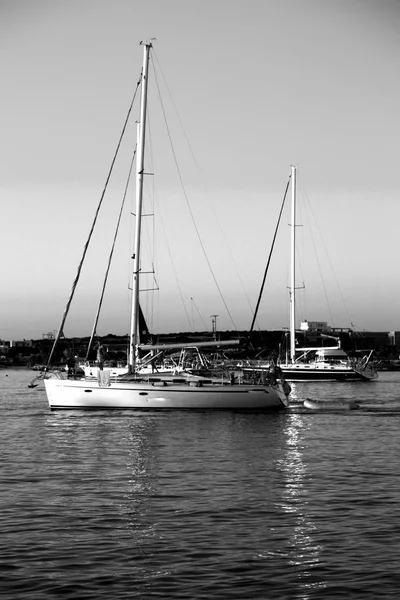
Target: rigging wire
176, 111
167, 243
330, 263
198, 312
188, 204
322, 280
173, 267
75, 283
96, 320
200, 172
269, 257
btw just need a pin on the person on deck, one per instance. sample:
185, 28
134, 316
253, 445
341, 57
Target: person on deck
70, 367
100, 355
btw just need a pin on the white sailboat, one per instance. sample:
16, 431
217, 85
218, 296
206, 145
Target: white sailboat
136, 391
318, 363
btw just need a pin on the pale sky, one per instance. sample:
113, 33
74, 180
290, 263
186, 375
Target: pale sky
257, 85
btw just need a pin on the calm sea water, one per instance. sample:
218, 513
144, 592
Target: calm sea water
217, 505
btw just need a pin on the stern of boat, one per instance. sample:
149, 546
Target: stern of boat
283, 389
367, 373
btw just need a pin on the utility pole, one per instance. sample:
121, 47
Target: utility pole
214, 326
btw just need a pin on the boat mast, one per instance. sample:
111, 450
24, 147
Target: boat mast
134, 334
293, 270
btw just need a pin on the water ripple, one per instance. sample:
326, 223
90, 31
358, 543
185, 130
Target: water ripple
298, 505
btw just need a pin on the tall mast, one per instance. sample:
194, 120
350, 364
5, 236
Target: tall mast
293, 270
134, 334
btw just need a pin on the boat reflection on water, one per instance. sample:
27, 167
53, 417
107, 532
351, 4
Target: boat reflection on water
303, 548
220, 497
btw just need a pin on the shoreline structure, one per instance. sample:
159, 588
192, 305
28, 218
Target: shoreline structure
260, 344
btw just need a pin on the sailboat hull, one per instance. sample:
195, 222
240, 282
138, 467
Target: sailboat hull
81, 394
326, 373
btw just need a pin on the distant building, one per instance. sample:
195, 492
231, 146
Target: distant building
4, 347
49, 336
22, 344
321, 327
316, 326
